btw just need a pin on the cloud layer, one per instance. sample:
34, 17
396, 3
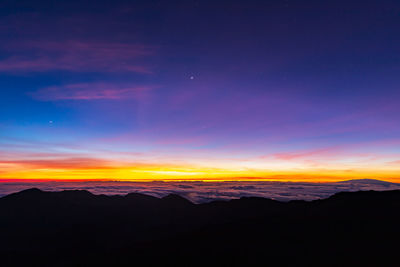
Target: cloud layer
200, 192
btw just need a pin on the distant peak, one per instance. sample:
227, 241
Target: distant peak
76, 193
366, 181
31, 191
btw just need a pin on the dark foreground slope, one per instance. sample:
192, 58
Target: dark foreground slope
77, 228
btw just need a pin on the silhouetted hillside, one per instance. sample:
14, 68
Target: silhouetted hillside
77, 228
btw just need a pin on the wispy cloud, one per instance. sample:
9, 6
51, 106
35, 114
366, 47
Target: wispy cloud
76, 56
394, 163
92, 91
323, 152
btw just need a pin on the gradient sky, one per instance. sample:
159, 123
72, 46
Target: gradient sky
218, 90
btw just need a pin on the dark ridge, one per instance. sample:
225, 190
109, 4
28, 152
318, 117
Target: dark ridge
255, 200
176, 199
141, 199
140, 196
77, 228
74, 193
367, 195
29, 191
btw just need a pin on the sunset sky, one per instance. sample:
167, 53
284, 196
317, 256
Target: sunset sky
200, 90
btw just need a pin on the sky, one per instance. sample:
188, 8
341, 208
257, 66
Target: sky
200, 90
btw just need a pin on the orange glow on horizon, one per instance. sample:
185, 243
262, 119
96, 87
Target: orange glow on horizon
192, 174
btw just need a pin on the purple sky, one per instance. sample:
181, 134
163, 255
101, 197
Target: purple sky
199, 89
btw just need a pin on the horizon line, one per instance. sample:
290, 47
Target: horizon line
208, 180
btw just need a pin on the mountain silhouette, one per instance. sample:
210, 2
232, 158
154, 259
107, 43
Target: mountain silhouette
367, 182
78, 228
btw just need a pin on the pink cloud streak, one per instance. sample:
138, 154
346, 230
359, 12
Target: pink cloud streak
77, 56
330, 151
92, 91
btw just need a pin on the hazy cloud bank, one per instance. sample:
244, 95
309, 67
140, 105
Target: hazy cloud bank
200, 192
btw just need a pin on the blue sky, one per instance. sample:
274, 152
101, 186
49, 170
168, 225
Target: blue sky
234, 88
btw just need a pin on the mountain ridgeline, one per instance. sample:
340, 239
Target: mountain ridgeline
78, 228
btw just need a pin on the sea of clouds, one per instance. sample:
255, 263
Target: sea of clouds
200, 192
